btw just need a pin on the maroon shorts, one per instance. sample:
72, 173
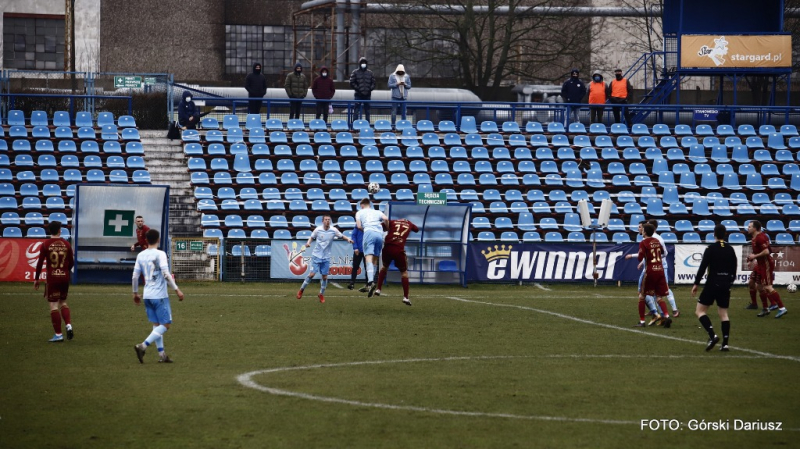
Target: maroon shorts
56, 291
398, 255
655, 284
763, 275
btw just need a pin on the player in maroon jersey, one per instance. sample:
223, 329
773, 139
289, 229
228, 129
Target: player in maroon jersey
58, 254
763, 273
394, 249
654, 283
141, 230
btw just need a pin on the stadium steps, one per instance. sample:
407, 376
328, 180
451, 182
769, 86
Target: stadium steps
165, 162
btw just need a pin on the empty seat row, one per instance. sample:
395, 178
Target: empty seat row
16, 117
69, 146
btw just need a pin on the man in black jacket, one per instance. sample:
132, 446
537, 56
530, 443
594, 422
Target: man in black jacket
573, 91
720, 259
256, 86
188, 112
362, 81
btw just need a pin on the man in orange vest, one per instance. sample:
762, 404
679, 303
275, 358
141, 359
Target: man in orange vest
620, 92
597, 97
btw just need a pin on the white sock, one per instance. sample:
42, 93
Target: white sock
370, 272
158, 331
671, 299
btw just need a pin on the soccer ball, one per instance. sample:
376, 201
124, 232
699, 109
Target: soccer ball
791, 288
373, 187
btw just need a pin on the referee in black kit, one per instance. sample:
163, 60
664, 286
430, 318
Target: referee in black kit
720, 260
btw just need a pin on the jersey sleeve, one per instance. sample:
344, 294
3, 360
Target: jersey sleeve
40, 262
137, 271
164, 266
337, 232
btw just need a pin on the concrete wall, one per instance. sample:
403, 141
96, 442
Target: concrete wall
163, 36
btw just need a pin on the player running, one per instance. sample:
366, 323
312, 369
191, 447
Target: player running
370, 221
763, 273
58, 254
654, 283
152, 264
321, 256
395, 250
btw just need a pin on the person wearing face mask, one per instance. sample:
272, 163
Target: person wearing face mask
256, 86
400, 84
296, 87
362, 81
323, 89
597, 97
620, 92
573, 91
188, 112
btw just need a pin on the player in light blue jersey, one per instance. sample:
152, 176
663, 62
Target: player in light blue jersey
152, 264
371, 222
321, 255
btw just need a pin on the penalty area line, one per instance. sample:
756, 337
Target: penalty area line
619, 328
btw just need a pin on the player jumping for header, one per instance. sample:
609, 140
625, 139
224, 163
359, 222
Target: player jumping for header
395, 251
370, 221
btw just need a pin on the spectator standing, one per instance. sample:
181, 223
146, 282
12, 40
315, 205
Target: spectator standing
256, 86
188, 112
296, 86
362, 81
620, 92
573, 91
597, 97
323, 89
400, 84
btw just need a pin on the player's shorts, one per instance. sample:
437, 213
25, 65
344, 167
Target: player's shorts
712, 292
57, 291
373, 243
158, 310
321, 266
398, 255
655, 284
763, 275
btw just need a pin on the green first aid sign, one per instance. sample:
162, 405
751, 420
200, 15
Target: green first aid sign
118, 223
127, 81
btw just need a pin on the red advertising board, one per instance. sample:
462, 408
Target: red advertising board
18, 259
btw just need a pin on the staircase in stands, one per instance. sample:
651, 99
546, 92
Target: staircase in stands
165, 162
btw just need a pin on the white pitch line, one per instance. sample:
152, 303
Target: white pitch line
611, 326
335, 284
542, 287
247, 381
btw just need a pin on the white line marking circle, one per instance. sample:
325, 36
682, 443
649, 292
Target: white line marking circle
246, 380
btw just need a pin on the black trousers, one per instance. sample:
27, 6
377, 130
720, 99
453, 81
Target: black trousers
322, 109
596, 114
294, 107
358, 259
616, 109
359, 107
254, 107
190, 124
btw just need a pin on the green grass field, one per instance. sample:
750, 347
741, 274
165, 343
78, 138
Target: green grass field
483, 367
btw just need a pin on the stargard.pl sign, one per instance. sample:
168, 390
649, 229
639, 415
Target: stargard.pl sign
723, 52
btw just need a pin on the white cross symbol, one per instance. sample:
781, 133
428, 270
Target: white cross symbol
118, 223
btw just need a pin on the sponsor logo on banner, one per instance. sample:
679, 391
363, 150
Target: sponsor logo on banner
18, 259
292, 260
787, 263
540, 262
715, 51
118, 223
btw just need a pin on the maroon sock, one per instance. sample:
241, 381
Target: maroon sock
642, 307
404, 281
663, 305
753, 296
776, 297
381, 278
55, 317
65, 315
763, 296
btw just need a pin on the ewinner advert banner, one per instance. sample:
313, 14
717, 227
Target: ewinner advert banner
533, 262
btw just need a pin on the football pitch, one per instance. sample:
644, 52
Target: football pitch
489, 366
